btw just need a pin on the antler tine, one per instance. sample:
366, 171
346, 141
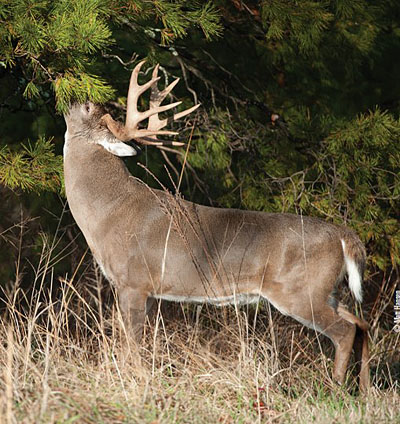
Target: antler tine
185, 112
133, 116
156, 99
156, 95
152, 141
132, 98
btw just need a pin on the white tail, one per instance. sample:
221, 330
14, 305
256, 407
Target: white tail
353, 274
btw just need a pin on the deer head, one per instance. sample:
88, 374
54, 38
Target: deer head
102, 129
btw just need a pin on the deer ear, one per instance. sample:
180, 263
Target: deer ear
118, 148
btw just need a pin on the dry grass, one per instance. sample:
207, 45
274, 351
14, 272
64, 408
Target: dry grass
64, 358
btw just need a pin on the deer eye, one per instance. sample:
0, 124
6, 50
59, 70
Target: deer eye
87, 107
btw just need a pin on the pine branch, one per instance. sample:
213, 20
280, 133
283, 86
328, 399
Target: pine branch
34, 168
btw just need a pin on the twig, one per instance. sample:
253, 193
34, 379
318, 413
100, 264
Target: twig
183, 66
114, 56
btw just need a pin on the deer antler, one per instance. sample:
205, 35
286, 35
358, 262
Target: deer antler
133, 116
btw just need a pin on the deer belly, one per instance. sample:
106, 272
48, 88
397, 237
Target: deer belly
235, 299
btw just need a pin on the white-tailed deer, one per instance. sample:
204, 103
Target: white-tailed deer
151, 244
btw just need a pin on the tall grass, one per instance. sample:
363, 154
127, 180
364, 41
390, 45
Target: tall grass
64, 358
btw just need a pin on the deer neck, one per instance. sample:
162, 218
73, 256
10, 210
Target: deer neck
96, 182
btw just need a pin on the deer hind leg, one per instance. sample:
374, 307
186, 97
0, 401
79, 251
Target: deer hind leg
342, 333
360, 346
345, 330
312, 311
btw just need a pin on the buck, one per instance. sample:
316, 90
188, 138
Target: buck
150, 244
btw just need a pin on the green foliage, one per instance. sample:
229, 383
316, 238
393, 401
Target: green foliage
359, 176
237, 157
304, 22
35, 167
80, 87
178, 16
51, 40
208, 19
56, 41
312, 27
355, 178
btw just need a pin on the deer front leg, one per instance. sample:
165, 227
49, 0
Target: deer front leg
132, 303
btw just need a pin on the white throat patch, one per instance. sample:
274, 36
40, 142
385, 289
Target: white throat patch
117, 148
